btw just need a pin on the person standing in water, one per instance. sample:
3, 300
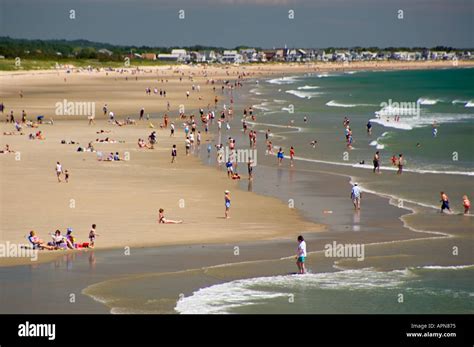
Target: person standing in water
301, 255
444, 202
250, 169
356, 195
227, 203
369, 128
400, 163
466, 204
280, 156
292, 156
376, 162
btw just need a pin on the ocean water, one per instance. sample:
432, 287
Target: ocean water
423, 99
412, 290
444, 96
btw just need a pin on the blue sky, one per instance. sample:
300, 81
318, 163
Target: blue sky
228, 23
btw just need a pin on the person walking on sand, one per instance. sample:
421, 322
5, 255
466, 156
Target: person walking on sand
444, 202
92, 236
466, 204
301, 255
292, 155
163, 220
172, 129
59, 171
174, 154
227, 203
250, 169
356, 195
66, 176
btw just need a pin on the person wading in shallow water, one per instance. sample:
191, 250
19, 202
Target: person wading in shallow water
301, 255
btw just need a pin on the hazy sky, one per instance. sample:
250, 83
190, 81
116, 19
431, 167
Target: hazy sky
228, 23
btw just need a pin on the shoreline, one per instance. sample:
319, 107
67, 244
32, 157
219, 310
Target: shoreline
343, 227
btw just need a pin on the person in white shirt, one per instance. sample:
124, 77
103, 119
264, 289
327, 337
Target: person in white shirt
59, 171
301, 255
356, 195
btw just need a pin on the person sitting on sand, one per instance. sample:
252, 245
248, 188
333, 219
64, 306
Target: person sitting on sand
110, 157
90, 147
235, 176
106, 140
117, 157
466, 204
143, 144
59, 240
38, 243
70, 237
39, 136
6, 150
163, 220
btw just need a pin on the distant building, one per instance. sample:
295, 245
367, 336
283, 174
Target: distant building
209, 56
231, 57
178, 55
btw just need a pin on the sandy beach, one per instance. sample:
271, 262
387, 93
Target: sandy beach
123, 197
112, 194
130, 192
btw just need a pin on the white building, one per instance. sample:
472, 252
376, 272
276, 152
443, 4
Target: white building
231, 57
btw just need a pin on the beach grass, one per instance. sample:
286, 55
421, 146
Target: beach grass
46, 64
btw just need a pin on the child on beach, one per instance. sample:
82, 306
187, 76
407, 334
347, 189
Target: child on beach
230, 168
292, 155
227, 203
301, 255
92, 236
444, 202
280, 156
163, 220
466, 203
66, 176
